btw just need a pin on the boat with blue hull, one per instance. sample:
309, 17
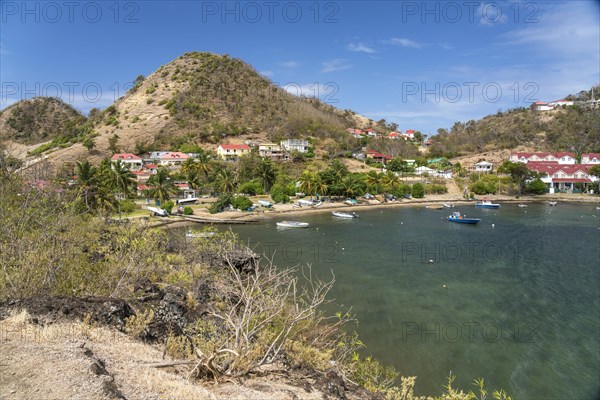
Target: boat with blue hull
461, 219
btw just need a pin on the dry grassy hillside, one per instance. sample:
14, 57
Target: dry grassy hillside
205, 99
35, 120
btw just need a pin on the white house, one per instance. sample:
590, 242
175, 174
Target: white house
560, 158
484, 166
131, 161
561, 103
432, 172
590, 158
299, 145
175, 158
541, 106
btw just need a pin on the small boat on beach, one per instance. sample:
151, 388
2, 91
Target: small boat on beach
351, 202
553, 203
265, 203
522, 205
486, 204
457, 217
447, 205
341, 214
159, 212
292, 224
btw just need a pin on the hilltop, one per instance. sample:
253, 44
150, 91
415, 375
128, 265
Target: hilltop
201, 98
39, 119
574, 128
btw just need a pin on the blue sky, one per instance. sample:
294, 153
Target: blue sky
421, 64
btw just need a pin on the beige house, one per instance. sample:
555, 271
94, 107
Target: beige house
232, 151
270, 150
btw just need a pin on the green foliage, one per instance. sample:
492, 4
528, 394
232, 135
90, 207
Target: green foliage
436, 189
187, 210
128, 206
418, 191
219, 205
278, 194
369, 373
251, 188
536, 186
168, 206
241, 203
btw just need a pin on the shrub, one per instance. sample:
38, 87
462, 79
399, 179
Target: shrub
418, 191
188, 210
223, 201
168, 206
251, 188
128, 206
278, 194
536, 187
241, 203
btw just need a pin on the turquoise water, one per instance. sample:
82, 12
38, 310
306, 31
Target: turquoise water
514, 299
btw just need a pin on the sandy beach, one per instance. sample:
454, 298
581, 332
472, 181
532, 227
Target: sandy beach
201, 214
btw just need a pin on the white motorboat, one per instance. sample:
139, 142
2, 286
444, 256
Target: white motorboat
553, 203
158, 211
292, 224
342, 214
265, 203
447, 205
522, 205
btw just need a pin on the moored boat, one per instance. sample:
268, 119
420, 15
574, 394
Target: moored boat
522, 205
434, 207
158, 211
265, 203
457, 217
447, 205
486, 204
292, 224
342, 214
553, 203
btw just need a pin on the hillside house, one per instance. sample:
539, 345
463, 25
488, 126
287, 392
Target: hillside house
563, 177
131, 161
171, 159
378, 157
561, 103
590, 158
270, 150
409, 134
232, 151
484, 166
299, 145
561, 158
394, 135
541, 106
371, 132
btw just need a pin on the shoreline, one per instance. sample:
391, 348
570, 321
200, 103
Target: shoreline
283, 210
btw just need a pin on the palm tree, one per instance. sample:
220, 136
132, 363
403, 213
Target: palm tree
339, 170
161, 186
195, 180
266, 174
319, 186
307, 180
87, 182
204, 164
118, 179
390, 180
374, 181
351, 186
189, 165
226, 181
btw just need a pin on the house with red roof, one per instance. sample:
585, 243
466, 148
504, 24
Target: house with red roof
562, 177
172, 158
378, 157
232, 151
394, 135
541, 106
560, 158
590, 158
131, 161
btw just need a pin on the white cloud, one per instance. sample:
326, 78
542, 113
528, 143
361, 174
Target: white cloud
290, 64
338, 64
404, 42
360, 47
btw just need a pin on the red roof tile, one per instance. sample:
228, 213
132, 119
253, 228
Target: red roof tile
235, 146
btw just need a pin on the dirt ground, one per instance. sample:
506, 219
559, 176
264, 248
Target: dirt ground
75, 360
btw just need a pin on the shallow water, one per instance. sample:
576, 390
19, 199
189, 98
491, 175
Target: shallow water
517, 303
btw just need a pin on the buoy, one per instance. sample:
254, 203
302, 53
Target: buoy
493, 225
444, 286
343, 248
430, 261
